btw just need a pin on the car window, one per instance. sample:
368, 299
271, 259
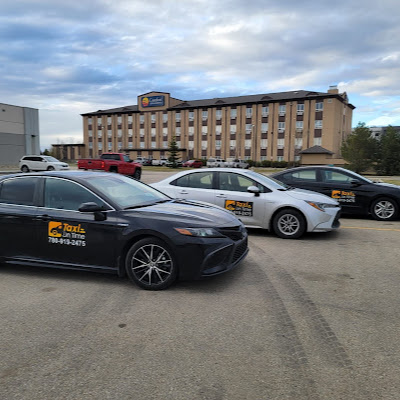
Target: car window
306, 175
18, 191
201, 180
67, 195
236, 182
329, 176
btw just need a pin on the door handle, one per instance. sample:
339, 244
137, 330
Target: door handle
183, 192
222, 196
43, 217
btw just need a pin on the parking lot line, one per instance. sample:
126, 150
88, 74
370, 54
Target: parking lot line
372, 229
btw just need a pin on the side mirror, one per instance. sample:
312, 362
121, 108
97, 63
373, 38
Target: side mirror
91, 206
254, 189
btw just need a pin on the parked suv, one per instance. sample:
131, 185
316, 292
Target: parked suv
236, 163
215, 162
41, 163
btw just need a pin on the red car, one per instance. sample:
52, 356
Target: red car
193, 164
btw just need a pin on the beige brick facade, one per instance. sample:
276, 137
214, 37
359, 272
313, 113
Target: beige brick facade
261, 127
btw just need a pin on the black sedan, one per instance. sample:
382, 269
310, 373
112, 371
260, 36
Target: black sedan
111, 223
355, 193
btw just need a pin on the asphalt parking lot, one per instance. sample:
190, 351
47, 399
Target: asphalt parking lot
315, 318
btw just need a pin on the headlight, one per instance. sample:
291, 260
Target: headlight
321, 206
199, 232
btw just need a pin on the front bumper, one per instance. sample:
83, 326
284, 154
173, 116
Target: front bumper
330, 221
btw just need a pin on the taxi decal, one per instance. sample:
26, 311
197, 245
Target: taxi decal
243, 208
66, 234
344, 196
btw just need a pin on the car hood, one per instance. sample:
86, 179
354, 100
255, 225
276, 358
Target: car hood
308, 195
388, 185
189, 212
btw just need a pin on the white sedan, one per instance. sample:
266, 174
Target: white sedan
258, 201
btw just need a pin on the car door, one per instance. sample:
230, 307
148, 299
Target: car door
197, 185
68, 236
303, 178
352, 194
231, 193
17, 217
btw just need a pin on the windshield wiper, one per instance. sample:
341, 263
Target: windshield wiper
152, 203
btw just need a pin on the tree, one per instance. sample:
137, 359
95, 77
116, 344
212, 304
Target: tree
360, 149
388, 162
173, 153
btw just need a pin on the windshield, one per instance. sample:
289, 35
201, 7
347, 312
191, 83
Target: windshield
126, 192
51, 159
268, 181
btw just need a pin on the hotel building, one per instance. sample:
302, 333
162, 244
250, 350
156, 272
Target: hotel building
274, 126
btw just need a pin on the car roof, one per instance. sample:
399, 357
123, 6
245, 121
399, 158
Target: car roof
74, 175
311, 167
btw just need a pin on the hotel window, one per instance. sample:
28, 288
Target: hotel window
153, 132
300, 109
218, 144
299, 125
282, 109
90, 145
233, 113
177, 117
130, 132
204, 145
205, 115
263, 158
119, 133
153, 145
119, 145
265, 111
247, 158
218, 114
264, 143
249, 128
297, 158
109, 133
317, 141
165, 118
279, 158
280, 143
264, 127
109, 120
233, 128
141, 132
100, 146
191, 130
249, 112
99, 134
247, 144
119, 119
153, 118
218, 130
298, 143
318, 124
191, 145
178, 131
130, 119
141, 120
191, 115
90, 133
109, 146
178, 143
90, 121
281, 126
142, 145
204, 130
232, 143
130, 145
165, 144
319, 106
165, 131
99, 122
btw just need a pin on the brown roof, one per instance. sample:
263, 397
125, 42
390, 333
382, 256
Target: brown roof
316, 150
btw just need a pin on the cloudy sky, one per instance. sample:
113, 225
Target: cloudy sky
68, 58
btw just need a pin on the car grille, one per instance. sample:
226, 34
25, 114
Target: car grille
240, 250
235, 233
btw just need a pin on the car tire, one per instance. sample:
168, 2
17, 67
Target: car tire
289, 224
51, 168
384, 209
24, 168
151, 264
137, 174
